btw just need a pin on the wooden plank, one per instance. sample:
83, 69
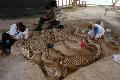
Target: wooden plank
58, 3
74, 2
79, 2
66, 3
69, 2
84, 3
62, 3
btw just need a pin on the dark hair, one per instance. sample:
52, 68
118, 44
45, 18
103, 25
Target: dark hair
98, 22
48, 8
19, 24
21, 27
90, 26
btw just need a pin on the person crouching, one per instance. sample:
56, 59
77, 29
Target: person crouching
96, 31
17, 31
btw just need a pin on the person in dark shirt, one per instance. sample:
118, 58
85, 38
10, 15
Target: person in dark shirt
49, 17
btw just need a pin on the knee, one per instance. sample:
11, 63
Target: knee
4, 34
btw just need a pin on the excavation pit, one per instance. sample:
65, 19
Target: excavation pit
66, 56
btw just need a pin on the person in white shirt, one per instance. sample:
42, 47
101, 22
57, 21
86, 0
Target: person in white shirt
96, 31
17, 31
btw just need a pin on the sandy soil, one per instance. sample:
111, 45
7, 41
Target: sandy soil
17, 68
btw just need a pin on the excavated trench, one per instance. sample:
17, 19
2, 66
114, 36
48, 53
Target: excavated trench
59, 52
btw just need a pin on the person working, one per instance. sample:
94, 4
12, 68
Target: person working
95, 31
17, 31
49, 17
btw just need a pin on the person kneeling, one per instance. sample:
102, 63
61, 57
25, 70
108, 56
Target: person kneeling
96, 31
17, 31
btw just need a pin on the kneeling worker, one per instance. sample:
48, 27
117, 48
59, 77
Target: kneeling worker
17, 31
96, 31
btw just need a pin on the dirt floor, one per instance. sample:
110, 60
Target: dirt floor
16, 67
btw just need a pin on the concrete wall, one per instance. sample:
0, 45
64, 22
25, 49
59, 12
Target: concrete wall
23, 3
15, 8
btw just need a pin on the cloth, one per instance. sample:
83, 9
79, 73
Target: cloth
97, 32
100, 32
116, 58
13, 30
22, 35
